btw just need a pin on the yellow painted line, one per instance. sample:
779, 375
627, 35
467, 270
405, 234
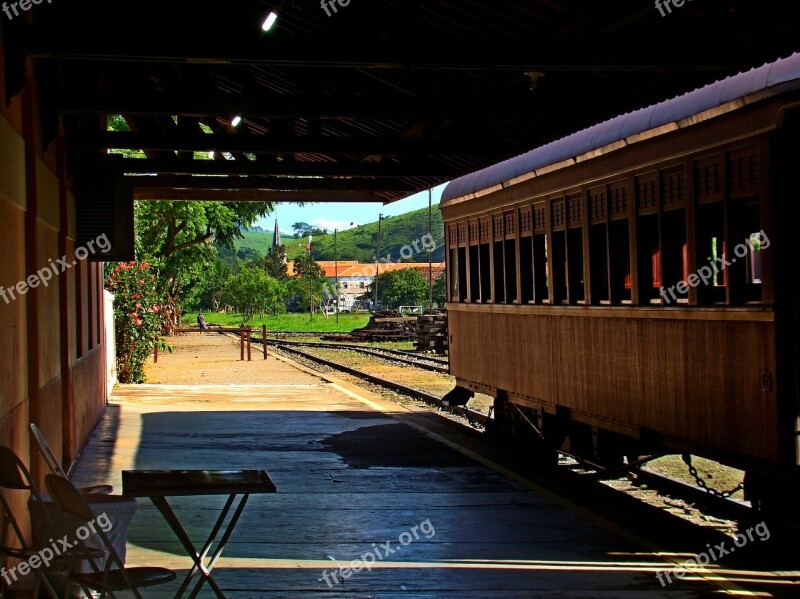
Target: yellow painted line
394, 410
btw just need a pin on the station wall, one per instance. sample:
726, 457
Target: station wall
52, 347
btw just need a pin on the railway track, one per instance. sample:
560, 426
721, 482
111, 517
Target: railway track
474, 417
399, 356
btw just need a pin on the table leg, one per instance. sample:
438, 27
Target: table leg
222, 542
205, 573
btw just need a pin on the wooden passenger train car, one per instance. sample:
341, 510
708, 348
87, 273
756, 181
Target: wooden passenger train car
633, 288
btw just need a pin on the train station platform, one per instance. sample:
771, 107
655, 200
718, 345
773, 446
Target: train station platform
357, 474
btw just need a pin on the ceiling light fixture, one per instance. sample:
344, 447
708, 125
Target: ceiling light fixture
236, 121
270, 20
211, 155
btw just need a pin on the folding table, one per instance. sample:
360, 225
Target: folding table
160, 484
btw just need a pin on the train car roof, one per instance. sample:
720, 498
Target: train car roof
630, 127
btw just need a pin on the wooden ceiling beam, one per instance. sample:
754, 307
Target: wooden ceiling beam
272, 144
409, 52
416, 169
256, 195
256, 104
269, 183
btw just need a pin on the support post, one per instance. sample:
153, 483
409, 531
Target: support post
241, 343
430, 252
264, 338
249, 352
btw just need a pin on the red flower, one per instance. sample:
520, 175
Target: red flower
136, 296
141, 281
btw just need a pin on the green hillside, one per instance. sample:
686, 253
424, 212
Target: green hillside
359, 243
260, 241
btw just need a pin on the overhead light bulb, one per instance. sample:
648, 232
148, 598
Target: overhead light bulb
236, 121
211, 154
270, 20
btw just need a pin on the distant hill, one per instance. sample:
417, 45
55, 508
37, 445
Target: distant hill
260, 241
359, 243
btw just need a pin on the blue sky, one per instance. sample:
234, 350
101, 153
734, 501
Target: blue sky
339, 215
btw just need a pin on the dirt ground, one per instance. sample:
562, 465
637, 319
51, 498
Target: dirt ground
213, 359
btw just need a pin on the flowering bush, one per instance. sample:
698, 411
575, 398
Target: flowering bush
139, 307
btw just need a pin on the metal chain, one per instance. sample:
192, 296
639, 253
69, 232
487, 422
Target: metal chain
702, 483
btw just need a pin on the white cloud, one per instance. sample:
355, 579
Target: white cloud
324, 223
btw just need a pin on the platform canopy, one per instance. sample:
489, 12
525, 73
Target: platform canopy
361, 100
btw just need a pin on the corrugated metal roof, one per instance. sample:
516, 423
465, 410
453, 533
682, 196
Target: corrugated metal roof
624, 126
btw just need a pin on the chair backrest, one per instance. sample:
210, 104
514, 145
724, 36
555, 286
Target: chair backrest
70, 501
47, 453
14, 475
67, 498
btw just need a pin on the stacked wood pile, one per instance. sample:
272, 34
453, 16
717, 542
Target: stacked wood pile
432, 332
383, 326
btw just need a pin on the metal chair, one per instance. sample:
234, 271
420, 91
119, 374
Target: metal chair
114, 576
14, 476
55, 467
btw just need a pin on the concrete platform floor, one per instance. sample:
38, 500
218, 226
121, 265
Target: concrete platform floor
356, 475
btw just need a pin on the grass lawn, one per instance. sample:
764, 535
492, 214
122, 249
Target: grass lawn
294, 323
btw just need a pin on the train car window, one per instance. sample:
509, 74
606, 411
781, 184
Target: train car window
526, 268
453, 269
558, 268
674, 255
711, 248
576, 289
474, 274
462, 274
499, 274
541, 282
486, 273
511, 270
649, 259
598, 263
744, 272
619, 261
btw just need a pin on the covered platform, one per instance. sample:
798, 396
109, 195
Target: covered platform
354, 472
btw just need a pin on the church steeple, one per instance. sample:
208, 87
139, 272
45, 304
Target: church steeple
276, 238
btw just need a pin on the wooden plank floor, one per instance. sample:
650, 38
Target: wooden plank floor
354, 472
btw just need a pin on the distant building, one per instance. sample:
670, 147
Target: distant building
355, 278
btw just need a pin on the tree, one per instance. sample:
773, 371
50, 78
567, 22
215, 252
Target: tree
405, 287
206, 293
301, 230
140, 304
308, 275
275, 263
248, 254
306, 267
252, 290
440, 290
